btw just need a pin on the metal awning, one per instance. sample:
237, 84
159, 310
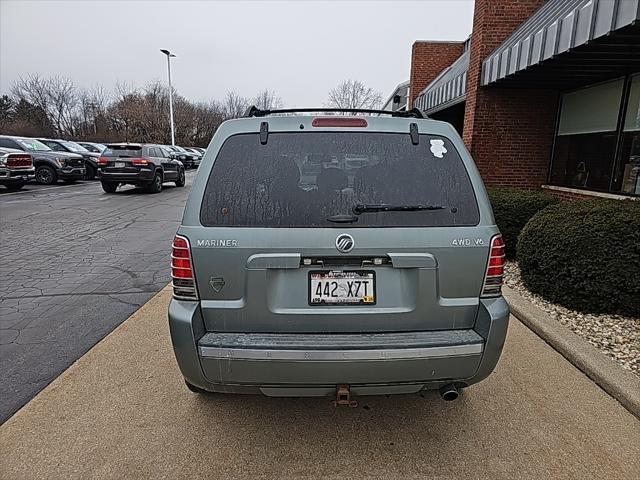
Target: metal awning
568, 42
447, 89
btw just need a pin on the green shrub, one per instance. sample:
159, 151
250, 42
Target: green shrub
512, 209
584, 255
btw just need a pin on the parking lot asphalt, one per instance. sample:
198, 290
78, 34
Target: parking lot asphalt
122, 411
76, 262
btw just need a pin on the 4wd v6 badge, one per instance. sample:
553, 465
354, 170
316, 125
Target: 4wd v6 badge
467, 242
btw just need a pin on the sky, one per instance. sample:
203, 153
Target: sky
299, 49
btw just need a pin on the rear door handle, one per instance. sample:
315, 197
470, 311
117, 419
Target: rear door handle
413, 260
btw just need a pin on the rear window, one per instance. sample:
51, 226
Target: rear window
302, 179
124, 151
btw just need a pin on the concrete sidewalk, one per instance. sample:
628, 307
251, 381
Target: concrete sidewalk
122, 411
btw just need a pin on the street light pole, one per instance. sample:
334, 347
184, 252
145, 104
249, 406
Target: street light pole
169, 55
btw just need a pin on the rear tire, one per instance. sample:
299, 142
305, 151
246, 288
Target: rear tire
15, 186
181, 179
156, 184
46, 175
194, 389
109, 187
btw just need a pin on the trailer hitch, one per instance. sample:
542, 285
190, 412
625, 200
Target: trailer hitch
343, 397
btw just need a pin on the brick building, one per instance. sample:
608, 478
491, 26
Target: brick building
544, 93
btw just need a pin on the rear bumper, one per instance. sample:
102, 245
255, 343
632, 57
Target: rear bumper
145, 175
312, 365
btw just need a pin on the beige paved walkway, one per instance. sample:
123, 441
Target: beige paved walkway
123, 412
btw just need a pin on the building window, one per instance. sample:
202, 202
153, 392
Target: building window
586, 143
627, 172
598, 139
584, 161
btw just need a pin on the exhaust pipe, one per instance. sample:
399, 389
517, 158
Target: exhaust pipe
449, 392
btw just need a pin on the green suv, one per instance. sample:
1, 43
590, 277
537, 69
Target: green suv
330, 254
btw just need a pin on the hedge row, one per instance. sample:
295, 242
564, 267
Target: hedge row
584, 255
512, 209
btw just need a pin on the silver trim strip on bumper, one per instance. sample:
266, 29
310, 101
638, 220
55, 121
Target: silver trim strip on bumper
340, 355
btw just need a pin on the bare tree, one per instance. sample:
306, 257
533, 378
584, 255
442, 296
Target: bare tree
53, 106
33, 90
124, 112
92, 106
56, 96
268, 100
234, 105
354, 94
86, 114
204, 119
63, 101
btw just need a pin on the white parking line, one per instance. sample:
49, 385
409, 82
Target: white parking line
23, 192
39, 199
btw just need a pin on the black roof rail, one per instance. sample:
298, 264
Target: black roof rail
254, 111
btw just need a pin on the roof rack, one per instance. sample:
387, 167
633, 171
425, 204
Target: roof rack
254, 111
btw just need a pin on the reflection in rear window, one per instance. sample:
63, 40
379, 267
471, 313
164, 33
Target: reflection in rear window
122, 151
32, 144
301, 179
74, 147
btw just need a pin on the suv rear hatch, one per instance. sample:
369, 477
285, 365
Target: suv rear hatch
307, 233
122, 159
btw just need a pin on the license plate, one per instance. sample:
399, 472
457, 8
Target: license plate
337, 287
119, 165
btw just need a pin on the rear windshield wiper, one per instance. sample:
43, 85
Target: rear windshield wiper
386, 207
342, 219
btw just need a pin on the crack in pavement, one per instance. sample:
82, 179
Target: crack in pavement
137, 305
81, 294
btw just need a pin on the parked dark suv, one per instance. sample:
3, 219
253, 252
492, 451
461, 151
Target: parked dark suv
138, 164
90, 158
92, 146
50, 166
188, 159
16, 168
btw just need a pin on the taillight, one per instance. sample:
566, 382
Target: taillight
139, 161
492, 286
338, 121
184, 282
103, 161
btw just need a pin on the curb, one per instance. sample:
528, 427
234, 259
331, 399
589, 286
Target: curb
621, 384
